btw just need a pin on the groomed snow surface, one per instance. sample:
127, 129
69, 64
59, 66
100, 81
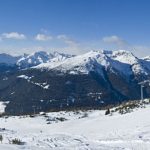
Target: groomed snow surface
91, 130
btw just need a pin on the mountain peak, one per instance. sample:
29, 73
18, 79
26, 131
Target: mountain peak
147, 58
124, 56
121, 60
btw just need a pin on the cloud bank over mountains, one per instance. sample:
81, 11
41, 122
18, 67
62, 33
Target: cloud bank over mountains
64, 43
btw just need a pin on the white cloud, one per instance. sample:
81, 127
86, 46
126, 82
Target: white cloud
115, 40
138, 50
67, 40
43, 37
72, 46
63, 43
13, 35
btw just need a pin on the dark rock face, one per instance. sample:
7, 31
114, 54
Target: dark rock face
31, 91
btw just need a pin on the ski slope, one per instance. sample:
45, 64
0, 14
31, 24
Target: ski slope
80, 131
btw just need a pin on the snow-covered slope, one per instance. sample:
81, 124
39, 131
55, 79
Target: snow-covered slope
124, 57
122, 61
147, 58
40, 57
33, 59
36, 58
91, 130
79, 64
134, 63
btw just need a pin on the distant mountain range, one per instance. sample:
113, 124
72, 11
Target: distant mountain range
54, 81
123, 61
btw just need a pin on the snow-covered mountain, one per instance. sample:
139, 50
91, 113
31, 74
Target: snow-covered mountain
40, 58
36, 58
136, 65
54, 80
147, 58
121, 61
81, 63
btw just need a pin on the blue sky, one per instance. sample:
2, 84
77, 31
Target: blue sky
74, 26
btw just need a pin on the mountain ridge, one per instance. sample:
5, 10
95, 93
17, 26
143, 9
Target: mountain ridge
59, 81
44, 58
